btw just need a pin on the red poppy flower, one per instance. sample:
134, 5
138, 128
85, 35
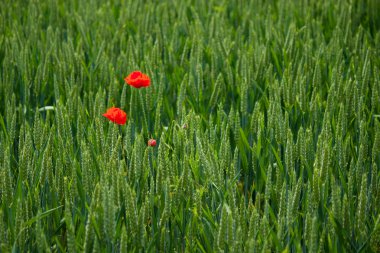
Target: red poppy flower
152, 143
137, 79
116, 115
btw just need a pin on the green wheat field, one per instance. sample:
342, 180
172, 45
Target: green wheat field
266, 116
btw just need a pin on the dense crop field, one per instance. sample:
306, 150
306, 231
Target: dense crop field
266, 116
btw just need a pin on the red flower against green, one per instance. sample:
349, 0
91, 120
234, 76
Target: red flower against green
137, 79
116, 115
152, 143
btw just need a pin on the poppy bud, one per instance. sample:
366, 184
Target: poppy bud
152, 143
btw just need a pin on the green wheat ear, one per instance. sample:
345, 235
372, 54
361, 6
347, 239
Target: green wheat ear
375, 237
40, 236
361, 211
90, 227
222, 230
68, 221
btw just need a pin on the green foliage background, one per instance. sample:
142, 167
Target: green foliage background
266, 115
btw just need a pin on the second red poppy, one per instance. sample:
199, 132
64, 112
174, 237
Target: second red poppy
137, 79
116, 115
